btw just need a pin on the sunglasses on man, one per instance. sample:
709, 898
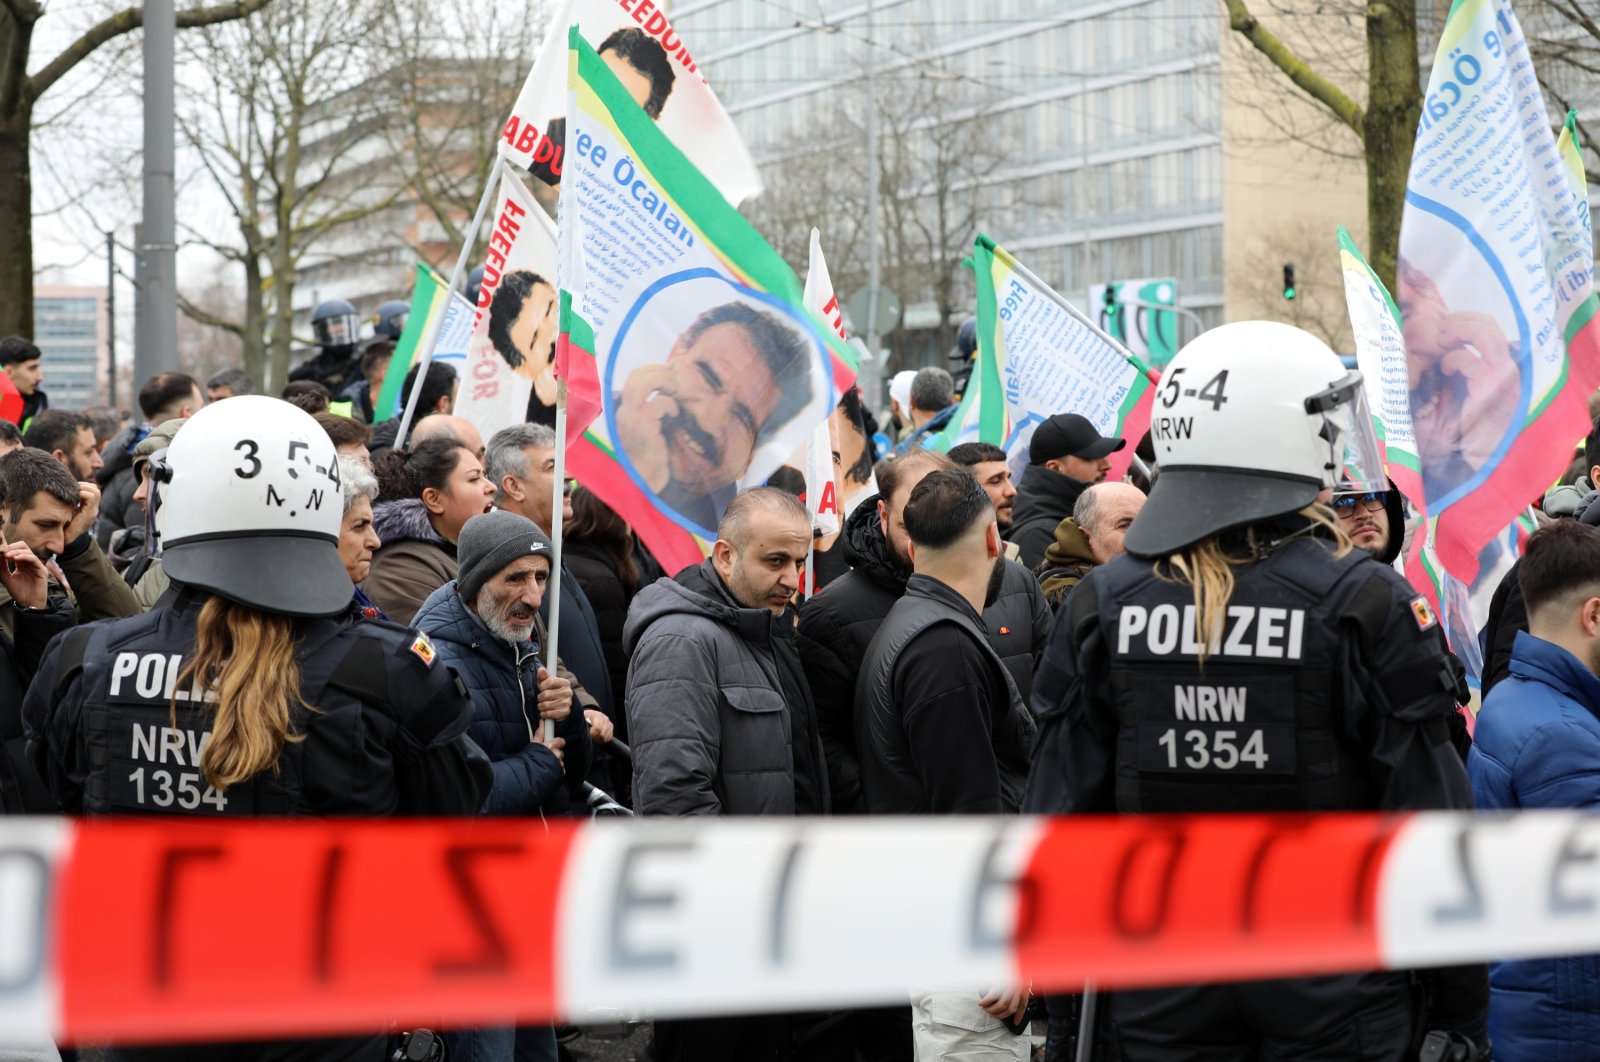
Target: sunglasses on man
1371, 501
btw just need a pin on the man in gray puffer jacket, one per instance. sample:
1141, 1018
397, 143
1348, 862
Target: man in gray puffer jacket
720, 716
721, 719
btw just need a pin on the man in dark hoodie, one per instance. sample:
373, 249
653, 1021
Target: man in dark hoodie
1065, 457
719, 713
1375, 521
837, 625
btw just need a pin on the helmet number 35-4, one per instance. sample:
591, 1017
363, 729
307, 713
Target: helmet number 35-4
1214, 390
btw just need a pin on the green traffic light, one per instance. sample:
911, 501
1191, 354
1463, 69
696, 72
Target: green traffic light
1288, 293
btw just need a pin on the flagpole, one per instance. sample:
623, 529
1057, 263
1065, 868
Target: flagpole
432, 338
557, 507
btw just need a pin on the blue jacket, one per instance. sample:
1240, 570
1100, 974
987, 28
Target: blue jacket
1538, 746
503, 681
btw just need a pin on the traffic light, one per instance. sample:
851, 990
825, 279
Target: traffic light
1288, 281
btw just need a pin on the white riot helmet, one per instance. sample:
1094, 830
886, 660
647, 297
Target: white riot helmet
1251, 421
251, 507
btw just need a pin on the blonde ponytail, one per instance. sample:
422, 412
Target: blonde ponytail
1208, 568
245, 658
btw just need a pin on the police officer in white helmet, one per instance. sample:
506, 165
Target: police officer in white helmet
1243, 657
250, 693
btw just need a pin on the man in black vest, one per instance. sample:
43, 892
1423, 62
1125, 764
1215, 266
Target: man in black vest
940, 726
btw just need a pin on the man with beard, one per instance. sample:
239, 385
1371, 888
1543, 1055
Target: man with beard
43, 507
691, 425
837, 625
485, 625
988, 463
720, 717
941, 727
69, 438
1371, 519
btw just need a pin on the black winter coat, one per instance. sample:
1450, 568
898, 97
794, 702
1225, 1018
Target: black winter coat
939, 723
609, 599
579, 645
22, 792
1044, 499
838, 624
117, 486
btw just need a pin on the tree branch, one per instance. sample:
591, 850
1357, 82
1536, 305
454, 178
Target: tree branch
206, 318
126, 21
1313, 84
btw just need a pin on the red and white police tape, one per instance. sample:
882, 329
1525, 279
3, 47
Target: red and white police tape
145, 929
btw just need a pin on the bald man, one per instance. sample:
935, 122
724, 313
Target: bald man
445, 424
1091, 536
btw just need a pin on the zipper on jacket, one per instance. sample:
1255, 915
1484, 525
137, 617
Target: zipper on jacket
522, 692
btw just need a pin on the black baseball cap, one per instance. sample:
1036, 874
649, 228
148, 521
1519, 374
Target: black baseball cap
1070, 434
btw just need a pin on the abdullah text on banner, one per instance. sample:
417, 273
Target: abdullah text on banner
1495, 289
1038, 356
693, 367
654, 65
508, 375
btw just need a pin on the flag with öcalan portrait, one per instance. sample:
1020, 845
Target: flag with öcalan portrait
657, 71
1381, 357
1496, 291
693, 367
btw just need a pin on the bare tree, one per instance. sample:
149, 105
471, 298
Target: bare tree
19, 95
1564, 39
456, 74
936, 151
1384, 127
285, 130
205, 349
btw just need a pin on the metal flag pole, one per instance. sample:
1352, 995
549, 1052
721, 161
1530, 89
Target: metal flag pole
558, 491
432, 337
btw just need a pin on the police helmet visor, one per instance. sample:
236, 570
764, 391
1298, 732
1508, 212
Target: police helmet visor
336, 331
396, 324
1355, 460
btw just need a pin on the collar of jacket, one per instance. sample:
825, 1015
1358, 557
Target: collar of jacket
866, 549
407, 519
757, 625
1534, 658
927, 586
1071, 545
1044, 491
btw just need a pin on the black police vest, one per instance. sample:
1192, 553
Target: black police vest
1255, 727
144, 759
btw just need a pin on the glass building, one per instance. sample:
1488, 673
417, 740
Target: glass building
70, 330
1099, 123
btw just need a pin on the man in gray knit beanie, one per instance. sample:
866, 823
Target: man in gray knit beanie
485, 626
489, 543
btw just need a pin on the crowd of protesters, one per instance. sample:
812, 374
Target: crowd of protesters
962, 656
